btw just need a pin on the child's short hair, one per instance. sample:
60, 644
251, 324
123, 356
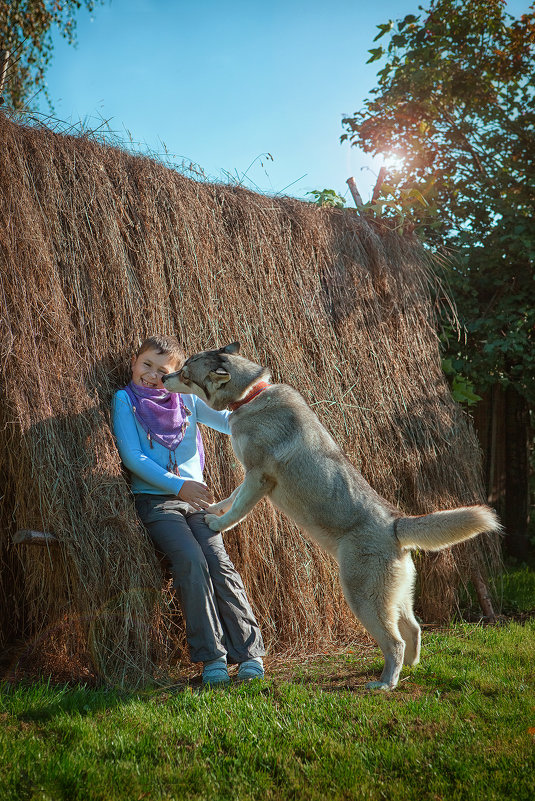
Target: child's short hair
164, 344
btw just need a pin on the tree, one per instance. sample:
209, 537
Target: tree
26, 31
456, 102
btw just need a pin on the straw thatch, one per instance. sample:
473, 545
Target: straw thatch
100, 248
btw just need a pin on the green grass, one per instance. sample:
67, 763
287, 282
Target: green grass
516, 590
512, 592
459, 726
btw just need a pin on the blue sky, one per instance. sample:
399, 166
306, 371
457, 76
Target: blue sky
222, 84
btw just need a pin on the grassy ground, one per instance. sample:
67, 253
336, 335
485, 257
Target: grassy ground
461, 725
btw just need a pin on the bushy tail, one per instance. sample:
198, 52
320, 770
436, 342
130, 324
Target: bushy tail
442, 529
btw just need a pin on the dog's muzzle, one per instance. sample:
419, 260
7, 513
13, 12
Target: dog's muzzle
178, 375
177, 379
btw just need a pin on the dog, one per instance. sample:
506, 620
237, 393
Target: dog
291, 458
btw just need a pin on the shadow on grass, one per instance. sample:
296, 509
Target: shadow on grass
44, 701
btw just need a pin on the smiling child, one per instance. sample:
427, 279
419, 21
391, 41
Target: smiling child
161, 447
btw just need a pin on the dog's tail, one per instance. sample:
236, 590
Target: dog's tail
442, 529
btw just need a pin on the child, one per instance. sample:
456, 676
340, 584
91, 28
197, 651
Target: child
159, 444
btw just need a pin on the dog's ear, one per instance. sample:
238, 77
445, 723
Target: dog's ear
219, 376
234, 347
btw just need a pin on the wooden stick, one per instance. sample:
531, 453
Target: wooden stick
4, 58
355, 192
26, 536
483, 596
378, 185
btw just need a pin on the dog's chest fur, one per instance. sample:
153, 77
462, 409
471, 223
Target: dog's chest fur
313, 482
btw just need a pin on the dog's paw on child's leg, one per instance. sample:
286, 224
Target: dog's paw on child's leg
213, 522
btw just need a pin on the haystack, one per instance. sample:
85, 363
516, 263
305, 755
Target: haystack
100, 248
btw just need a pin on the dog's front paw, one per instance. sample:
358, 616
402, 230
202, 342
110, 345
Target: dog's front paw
213, 522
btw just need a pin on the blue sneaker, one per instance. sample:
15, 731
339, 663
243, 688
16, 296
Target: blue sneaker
215, 673
251, 669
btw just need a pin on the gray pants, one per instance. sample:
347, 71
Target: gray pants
219, 618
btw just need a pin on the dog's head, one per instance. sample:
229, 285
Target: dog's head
219, 377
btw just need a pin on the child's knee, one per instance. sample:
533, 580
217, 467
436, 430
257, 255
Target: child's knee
191, 565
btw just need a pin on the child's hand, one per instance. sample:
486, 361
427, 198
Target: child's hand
196, 494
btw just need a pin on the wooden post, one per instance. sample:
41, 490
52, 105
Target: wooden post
378, 185
483, 596
26, 536
355, 192
4, 58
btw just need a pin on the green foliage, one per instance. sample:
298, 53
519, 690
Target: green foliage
516, 590
327, 197
462, 388
26, 31
456, 100
410, 207
496, 304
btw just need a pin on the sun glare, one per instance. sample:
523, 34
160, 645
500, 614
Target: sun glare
393, 161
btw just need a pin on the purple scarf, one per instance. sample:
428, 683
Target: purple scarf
164, 418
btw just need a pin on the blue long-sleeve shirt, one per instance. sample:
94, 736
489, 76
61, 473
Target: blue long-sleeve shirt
148, 465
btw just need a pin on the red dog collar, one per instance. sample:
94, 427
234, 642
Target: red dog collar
253, 392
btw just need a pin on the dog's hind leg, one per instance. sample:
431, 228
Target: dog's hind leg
247, 495
410, 631
371, 591
389, 640
407, 623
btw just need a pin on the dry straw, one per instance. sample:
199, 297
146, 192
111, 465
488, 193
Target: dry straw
100, 248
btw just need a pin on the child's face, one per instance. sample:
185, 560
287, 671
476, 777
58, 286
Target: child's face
149, 367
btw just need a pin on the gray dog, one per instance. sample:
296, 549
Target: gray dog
290, 457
